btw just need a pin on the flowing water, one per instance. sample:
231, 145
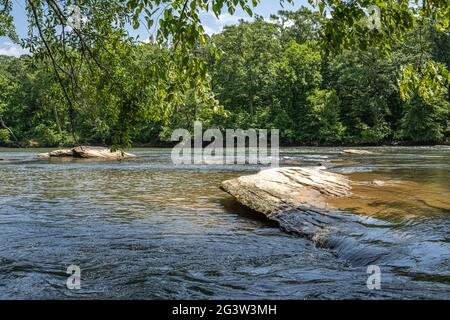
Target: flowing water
145, 228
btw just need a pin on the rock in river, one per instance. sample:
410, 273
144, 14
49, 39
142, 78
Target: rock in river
303, 201
88, 153
294, 197
358, 152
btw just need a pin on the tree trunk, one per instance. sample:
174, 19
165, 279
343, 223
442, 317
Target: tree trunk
252, 111
58, 123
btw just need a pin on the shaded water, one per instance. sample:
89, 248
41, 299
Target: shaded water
144, 228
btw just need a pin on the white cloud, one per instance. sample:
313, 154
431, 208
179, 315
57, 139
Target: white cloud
210, 31
12, 50
213, 24
226, 18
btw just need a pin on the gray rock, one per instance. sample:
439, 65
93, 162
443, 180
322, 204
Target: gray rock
299, 200
358, 152
88, 153
294, 197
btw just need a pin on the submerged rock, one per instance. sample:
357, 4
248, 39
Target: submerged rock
358, 151
294, 197
87, 153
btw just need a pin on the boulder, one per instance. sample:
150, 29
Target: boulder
87, 153
61, 153
294, 197
306, 202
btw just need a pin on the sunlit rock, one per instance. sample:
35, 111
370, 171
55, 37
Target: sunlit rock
358, 152
88, 153
294, 197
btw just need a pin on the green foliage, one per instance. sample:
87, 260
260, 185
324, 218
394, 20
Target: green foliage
425, 121
361, 103
430, 82
325, 126
4, 137
100, 48
243, 77
368, 91
373, 134
353, 24
47, 135
7, 28
381, 24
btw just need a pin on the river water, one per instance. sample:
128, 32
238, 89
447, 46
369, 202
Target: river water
147, 229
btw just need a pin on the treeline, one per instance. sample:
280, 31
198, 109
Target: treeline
271, 74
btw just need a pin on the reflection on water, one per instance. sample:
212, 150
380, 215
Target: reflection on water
143, 228
386, 196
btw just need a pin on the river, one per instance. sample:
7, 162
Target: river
147, 229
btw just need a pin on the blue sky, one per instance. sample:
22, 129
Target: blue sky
210, 22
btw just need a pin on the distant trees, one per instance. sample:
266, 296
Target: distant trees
30, 112
315, 98
34, 111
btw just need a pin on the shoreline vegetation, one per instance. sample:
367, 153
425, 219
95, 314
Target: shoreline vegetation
126, 150
171, 145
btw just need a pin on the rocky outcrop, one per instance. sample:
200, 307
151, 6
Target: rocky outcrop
294, 197
87, 153
59, 153
358, 152
299, 200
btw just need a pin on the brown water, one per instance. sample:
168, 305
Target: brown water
144, 228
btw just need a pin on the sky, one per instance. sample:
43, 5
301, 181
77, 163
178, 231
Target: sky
210, 22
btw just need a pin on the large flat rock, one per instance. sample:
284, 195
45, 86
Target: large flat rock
359, 152
87, 153
295, 197
320, 206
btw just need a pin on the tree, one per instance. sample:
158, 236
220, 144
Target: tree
243, 76
301, 25
381, 24
367, 88
102, 37
9, 87
425, 121
324, 125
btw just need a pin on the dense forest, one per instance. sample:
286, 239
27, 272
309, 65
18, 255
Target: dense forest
260, 74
